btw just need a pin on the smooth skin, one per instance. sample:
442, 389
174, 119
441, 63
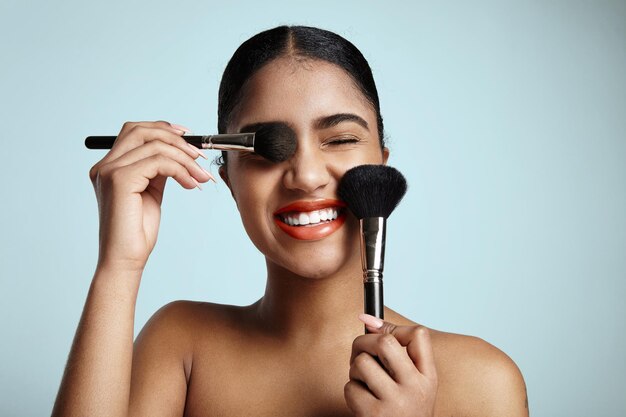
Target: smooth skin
298, 351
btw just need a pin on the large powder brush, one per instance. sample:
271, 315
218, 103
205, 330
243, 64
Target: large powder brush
274, 141
372, 192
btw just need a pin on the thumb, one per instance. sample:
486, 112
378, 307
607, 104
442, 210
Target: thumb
416, 339
376, 325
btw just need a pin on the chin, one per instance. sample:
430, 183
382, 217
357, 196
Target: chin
334, 255
314, 270
321, 262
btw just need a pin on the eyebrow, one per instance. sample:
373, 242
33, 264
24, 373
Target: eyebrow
253, 127
325, 122
334, 119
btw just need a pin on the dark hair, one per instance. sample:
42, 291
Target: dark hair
302, 41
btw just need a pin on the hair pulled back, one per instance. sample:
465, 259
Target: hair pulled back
304, 41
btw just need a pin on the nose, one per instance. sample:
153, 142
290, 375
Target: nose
307, 170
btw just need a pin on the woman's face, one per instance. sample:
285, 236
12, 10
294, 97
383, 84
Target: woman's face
336, 129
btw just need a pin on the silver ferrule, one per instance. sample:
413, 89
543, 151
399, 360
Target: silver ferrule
229, 142
373, 248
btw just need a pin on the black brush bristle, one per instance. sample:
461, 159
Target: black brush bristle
275, 141
372, 190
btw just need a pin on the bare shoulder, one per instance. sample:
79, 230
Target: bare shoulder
169, 334
475, 377
487, 379
182, 319
163, 355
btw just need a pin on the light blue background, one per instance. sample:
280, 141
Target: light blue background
508, 119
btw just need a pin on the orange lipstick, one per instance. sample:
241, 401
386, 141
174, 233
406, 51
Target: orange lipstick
311, 220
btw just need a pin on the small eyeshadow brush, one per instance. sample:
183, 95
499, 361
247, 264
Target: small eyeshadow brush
273, 141
372, 192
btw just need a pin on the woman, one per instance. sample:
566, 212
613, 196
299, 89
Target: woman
300, 349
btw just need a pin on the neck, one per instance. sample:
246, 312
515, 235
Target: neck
312, 309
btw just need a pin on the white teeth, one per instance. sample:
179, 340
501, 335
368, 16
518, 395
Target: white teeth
304, 219
312, 217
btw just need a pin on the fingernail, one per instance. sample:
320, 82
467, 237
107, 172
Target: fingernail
371, 321
198, 151
197, 183
180, 127
211, 177
202, 154
193, 147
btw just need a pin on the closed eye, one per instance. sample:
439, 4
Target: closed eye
342, 140
250, 156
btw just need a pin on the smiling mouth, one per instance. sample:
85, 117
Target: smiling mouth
310, 218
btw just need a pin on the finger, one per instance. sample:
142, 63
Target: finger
363, 343
138, 135
419, 348
161, 124
358, 398
135, 178
367, 370
158, 147
390, 352
416, 339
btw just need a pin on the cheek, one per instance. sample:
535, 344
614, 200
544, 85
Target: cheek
252, 212
341, 162
249, 197
254, 192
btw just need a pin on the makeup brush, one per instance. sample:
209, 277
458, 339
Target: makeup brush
273, 141
372, 192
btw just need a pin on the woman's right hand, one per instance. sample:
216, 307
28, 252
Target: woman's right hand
392, 371
129, 183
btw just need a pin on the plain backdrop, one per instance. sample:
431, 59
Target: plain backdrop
507, 118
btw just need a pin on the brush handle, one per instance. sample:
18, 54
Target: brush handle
99, 142
373, 299
234, 141
106, 142
373, 260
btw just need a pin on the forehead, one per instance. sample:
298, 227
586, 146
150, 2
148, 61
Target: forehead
296, 89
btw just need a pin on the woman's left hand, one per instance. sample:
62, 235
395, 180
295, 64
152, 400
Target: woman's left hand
402, 382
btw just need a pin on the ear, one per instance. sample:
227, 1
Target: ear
224, 175
385, 155
223, 171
